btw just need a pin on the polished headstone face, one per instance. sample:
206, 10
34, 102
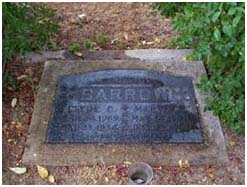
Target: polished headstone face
124, 106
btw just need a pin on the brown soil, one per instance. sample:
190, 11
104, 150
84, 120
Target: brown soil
127, 25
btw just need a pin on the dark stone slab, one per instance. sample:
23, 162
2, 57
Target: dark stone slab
124, 106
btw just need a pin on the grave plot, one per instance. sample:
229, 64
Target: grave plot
120, 110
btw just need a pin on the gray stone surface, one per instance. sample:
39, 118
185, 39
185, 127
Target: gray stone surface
160, 55
42, 56
157, 55
37, 151
124, 106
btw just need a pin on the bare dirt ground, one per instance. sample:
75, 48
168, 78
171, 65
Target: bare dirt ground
127, 25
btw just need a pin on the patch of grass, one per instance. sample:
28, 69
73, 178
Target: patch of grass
101, 39
87, 43
75, 47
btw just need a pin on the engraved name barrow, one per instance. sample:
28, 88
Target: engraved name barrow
124, 106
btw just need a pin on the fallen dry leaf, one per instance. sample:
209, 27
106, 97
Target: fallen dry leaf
127, 162
126, 37
106, 179
78, 54
180, 163
114, 41
184, 163
232, 143
43, 173
13, 102
210, 173
157, 40
19, 170
19, 125
150, 43
82, 15
10, 140
22, 77
29, 71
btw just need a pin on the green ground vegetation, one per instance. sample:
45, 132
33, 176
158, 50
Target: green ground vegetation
216, 33
26, 27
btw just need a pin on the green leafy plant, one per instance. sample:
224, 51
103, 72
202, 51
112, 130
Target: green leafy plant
216, 33
9, 80
87, 43
26, 27
101, 39
169, 9
74, 48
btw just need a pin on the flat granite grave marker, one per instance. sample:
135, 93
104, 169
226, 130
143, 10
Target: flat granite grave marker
83, 107
124, 106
